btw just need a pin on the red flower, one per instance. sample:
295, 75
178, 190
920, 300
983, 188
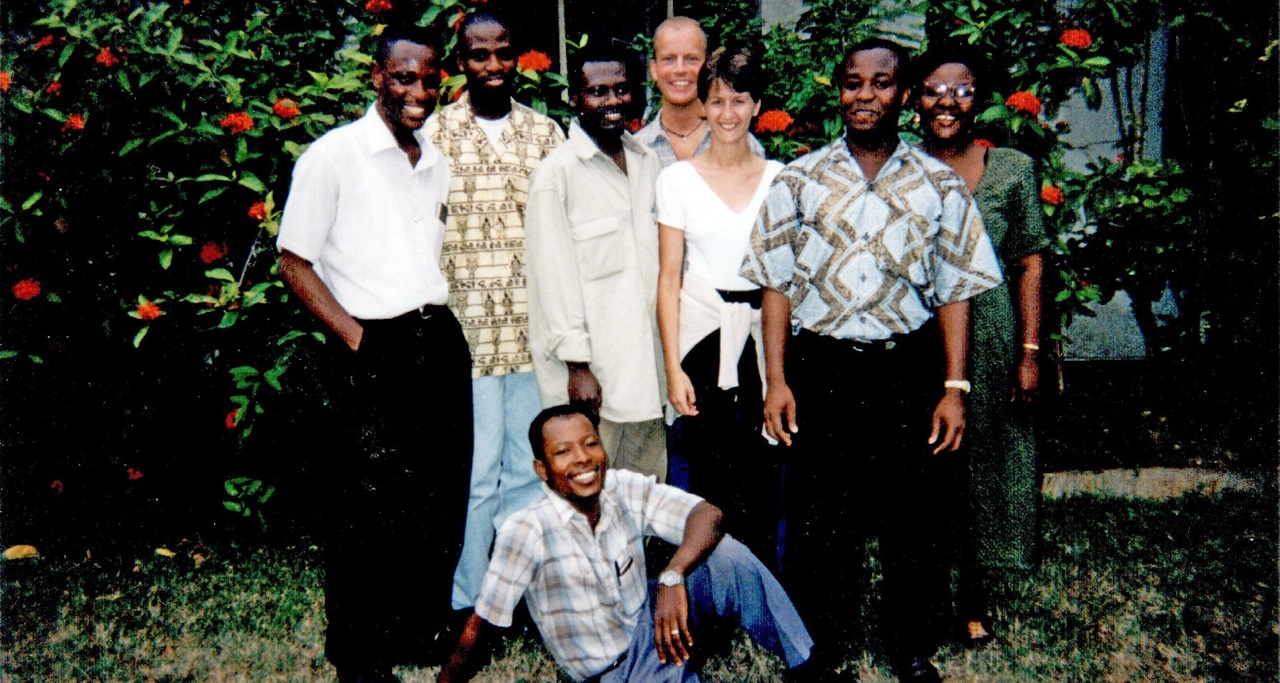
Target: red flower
1052, 194
773, 121
258, 211
984, 143
44, 42
230, 422
55, 88
634, 125
237, 122
1024, 101
211, 252
74, 122
534, 61
803, 149
6, 80
57, 486
457, 19
1076, 38
27, 289
376, 6
133, 474
286, 108
148, 311
106, 57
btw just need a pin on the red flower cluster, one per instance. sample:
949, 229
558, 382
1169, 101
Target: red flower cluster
456, 23
57, 486
1052, 194
212, 251
107, 58
237, 122
984, 143
258, 211
230, 421
133, 474
1076, 38
55, 88
27, 289
773, 121
286, 108
634, 125
6, 80
74, 122
534, 60
1024, 101
43, 42
148, 311
376, 6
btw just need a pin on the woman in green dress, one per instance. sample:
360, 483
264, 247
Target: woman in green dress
1003, 485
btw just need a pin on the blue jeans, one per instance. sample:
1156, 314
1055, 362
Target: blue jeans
502, 476
731, 588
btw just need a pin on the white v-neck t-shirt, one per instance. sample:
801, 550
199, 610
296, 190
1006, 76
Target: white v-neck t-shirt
716, 238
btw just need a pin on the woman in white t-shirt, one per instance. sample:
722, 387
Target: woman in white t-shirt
709, 315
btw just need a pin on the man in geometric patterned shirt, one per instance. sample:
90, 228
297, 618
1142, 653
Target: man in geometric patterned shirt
868, 250
492, 143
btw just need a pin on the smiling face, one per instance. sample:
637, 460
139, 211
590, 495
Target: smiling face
946, 103
489, 62
678, 52
870, 95
408, 86
605, 101
573, 461
729, 112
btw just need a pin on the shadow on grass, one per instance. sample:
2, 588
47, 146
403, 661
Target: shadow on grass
1128, 590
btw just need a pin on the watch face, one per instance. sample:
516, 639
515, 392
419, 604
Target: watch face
670, 578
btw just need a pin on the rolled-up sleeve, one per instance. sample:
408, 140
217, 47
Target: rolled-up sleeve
516, 556
771, 258
965, 263
555, 288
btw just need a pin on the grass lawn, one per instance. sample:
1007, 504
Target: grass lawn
1174, 590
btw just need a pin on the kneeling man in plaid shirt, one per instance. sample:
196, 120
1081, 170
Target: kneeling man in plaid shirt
576, 556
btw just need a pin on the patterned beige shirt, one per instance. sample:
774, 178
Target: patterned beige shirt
867, 260
483, 256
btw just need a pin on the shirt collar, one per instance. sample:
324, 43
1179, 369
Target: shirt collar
567, 512
585, 148
378, 138
843, 155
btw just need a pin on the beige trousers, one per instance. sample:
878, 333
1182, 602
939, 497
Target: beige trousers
636, 446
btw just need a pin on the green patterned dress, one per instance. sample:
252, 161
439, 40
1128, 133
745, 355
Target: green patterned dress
1003, 482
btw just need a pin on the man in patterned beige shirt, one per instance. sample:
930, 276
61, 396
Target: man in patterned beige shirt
861, 246
492, 144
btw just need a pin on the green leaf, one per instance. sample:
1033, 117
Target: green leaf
31, 201
211, 194
230, 487
153, 235
229, 318
166, 259
220, 274
7, 354
243, 372
130, 146
266, 495
272, 377
66, 54
210, 177
232, 505
252, 182
53, 297
21, 104
180, 240
137, 338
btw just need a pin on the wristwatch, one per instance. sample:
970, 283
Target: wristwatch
961, 384
671, 578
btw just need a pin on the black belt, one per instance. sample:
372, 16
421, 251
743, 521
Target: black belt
752, 297
423, 312
859, 345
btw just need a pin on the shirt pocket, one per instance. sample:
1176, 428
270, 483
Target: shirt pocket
599, 247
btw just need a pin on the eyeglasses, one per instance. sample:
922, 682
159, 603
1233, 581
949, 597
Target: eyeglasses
620, 90
959, 91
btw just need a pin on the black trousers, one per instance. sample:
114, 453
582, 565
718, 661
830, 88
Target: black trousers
730, 463
860, 467
398, 484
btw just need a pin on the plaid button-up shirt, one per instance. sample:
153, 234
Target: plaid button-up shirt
584, 588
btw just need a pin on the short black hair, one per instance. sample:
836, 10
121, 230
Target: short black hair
737, 66
606, 50
418, 35
537, 440
484, 16
899, 52
949, 53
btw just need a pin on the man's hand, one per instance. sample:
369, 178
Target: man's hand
671, 625
1028, 378
680, 393
780, 412
583, 386
948, 421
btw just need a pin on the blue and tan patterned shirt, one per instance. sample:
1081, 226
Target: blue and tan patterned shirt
867, 260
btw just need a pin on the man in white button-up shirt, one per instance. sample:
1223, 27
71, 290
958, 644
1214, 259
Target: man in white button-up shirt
360, 243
